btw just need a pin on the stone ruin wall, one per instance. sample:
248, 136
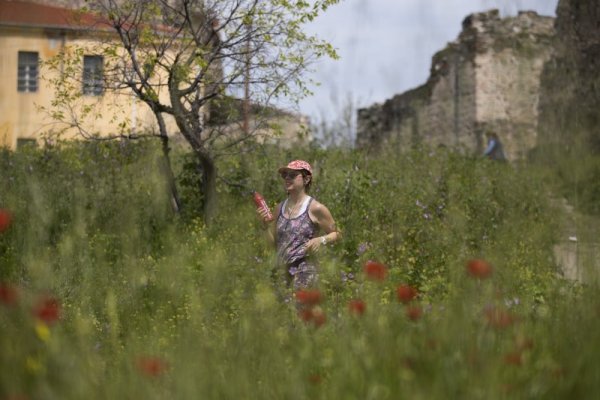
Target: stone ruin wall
487, 78
508, 77
449, 113
412, 117
570, 117
569, 110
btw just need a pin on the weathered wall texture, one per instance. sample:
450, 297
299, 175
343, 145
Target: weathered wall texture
488, 78
570, 106
569, 127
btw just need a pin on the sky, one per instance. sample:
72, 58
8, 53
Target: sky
386, 46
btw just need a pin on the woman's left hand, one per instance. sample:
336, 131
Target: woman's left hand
313, 245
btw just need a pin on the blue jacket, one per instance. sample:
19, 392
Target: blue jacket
494, 150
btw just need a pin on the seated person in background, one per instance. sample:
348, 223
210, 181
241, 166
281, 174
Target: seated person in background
494, 150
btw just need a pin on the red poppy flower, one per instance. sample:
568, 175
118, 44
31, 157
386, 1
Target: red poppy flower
558, 372
5, 219
357, 307
8, 294
479, 269
474, 358
507, 388
315, 315
315, 379
47, 309
151, 366
406, 293
432, 344
523, 343
319, 317
414, 312
499, 318
375, 271
309, 297
513, 358
408, 362
305, 315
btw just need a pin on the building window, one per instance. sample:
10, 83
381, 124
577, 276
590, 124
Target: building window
26, 143
92, 75
27, 74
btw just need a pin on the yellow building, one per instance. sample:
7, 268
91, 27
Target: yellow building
32, 33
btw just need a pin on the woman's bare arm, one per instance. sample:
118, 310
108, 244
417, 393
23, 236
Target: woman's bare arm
271, 226
321, 215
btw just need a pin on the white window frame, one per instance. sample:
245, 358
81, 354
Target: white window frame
28, 71
93, 80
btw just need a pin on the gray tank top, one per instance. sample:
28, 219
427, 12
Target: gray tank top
293, 234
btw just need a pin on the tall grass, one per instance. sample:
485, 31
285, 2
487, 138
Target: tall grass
107, 294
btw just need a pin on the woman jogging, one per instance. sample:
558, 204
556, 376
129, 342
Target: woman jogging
294, 230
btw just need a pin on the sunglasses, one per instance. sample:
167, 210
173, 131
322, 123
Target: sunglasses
290, 174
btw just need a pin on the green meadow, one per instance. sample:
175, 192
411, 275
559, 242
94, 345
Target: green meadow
106, 293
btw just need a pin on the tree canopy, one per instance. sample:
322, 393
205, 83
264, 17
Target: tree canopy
184, 58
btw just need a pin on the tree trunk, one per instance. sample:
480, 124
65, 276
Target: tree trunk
168, 171
191, 129
166, 161
208, 186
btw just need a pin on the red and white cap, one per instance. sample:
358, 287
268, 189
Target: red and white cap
297, 165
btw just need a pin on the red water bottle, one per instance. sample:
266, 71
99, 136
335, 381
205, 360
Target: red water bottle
5, 219
262, 204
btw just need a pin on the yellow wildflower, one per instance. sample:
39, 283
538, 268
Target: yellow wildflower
42, 331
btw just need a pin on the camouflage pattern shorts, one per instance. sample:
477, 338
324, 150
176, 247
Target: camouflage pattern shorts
298, 275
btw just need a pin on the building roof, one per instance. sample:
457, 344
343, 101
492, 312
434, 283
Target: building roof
21, 13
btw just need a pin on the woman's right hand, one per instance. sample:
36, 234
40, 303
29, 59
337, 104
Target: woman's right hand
263, 215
